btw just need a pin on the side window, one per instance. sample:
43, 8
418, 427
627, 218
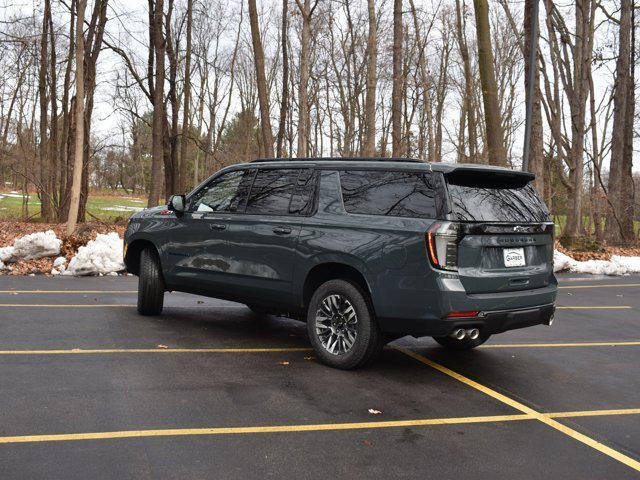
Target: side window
227, 193
399, 194
302, 201
272, 190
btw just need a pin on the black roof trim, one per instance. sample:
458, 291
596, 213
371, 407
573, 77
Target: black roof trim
338, 159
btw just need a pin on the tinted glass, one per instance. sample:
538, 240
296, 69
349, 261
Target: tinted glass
272, 190
497, 204
399, 194
227, 193
302, 201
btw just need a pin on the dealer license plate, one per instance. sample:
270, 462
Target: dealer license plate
513, 257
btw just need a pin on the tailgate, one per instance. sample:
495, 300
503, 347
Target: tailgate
485, 251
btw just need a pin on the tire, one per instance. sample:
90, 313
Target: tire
150, 284
331, 326
464, 344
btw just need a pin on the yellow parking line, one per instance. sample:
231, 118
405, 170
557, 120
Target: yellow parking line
262, 429
594, 413
78, 351
546, 419
602, 286
594, 307
69, 291
545, 345
62, 305
308, 428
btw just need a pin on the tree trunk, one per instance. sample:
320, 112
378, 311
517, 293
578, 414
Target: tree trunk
159, 46
44, 180
187, 100
369, 149
495, 136
396, 93
467, 102
284, 104
303, 86
536, 147
582, 58
263, 99
622, 107
79, 120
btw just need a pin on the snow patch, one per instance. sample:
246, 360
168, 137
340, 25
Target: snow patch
98, 257
37, 245
6, 253
618, 265
59, 266
32, 246
122, 208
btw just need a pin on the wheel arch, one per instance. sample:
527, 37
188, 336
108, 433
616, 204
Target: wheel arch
331, 270
134, 249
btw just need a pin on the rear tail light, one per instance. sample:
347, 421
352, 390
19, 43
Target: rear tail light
442, 245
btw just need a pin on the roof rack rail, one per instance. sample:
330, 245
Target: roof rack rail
339, 159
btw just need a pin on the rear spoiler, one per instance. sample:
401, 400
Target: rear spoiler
488, 177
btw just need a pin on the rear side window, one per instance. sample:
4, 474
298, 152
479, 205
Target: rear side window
487, 198
399, 194
282, 192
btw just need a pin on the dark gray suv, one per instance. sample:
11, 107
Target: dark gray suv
364, 251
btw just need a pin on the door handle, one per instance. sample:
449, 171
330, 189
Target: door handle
217, 226
282, 230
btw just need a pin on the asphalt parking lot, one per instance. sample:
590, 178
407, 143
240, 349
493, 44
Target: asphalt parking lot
89, 389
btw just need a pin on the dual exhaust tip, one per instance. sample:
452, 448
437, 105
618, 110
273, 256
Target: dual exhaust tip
461, 333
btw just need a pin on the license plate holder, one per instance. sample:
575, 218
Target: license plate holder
514, 257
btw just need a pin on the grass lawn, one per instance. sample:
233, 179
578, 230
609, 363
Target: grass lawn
561, 220
105, 207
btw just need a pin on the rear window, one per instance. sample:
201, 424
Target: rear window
399, 194
495, 199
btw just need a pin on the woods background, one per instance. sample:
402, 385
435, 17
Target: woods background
150, 98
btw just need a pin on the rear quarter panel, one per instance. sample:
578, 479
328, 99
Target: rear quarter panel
388, 251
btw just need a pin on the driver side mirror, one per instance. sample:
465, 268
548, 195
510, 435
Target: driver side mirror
177, 203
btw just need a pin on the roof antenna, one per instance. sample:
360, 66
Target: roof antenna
533, 71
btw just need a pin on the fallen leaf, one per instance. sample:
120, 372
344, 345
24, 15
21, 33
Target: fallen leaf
283, 363
162, 346
368, 443
373, 411
309, 358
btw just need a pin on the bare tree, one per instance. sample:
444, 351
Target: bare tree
157, 50
369, 148
79, 134
495, 136
306, 10
184, 139
396, 95
263, 98
619, 224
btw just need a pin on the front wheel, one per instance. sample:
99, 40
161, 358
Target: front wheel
465, 344
150, 284
342, 326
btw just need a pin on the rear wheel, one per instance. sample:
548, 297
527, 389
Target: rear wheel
150, 284
465, 344
342, 326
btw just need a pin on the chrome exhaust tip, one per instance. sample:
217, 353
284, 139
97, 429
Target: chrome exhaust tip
473, 333
459, 334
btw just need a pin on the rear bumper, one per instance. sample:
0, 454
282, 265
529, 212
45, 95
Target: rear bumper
499, 312
487, 322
